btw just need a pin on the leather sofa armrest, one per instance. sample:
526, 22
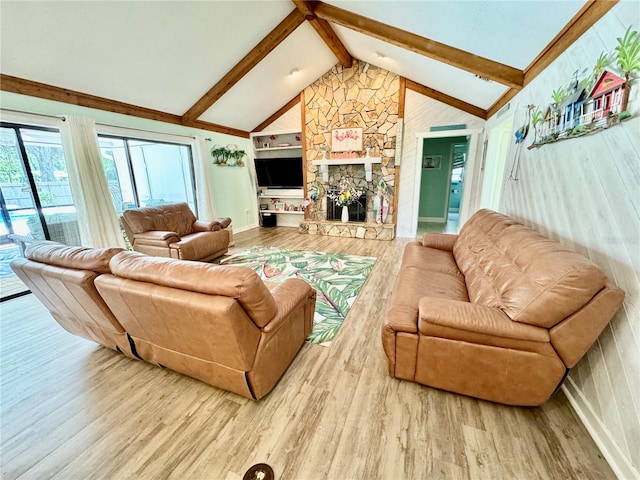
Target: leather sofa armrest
438, 313
288, 295
224, 221
202, 226
156, 238
441, 241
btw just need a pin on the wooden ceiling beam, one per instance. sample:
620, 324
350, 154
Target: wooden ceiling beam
455, 57
582, 21
447, 99
214, 127
259, 52
22, 86
281, 111
327, 34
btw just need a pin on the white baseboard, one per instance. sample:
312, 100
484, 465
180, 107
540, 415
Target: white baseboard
619, 463
245, 228
432, 219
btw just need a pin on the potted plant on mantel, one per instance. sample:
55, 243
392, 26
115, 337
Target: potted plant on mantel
229, 155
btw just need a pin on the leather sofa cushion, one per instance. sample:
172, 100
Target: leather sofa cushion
529, 277
429, 259
413, 284
240, 283
176, 218
202, 244
78, 258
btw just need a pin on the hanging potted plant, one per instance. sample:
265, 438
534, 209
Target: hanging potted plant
229, 155
220, 155
238, 157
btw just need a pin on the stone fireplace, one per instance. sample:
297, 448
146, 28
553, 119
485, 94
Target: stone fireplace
360, 96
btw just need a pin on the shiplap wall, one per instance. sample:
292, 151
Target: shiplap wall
420, 114
290, 121
585, 193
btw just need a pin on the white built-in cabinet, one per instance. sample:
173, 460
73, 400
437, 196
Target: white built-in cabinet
284, 203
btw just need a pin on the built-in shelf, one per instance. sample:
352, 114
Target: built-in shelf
367, 162
292, 212
270, 146
271, 149
277, 195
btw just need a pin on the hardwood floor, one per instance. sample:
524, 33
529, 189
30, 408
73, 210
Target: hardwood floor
73, 410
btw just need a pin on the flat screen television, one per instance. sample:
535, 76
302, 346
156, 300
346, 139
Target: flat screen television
279, 172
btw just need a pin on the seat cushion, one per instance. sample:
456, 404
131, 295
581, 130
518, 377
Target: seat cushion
414, 283
429, 259
200, 245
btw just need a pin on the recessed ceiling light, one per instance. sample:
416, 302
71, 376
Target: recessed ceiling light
380, 55
293, 71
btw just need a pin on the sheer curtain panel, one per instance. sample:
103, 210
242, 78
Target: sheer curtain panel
96, 216
204, 189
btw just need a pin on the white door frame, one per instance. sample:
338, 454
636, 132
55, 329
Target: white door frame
470, 168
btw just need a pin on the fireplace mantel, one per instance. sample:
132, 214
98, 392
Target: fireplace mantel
366, 161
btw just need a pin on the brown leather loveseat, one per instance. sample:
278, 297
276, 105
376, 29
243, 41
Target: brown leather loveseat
173, 231
219, 324
497, 312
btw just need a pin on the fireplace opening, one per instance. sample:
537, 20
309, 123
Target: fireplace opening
357, 210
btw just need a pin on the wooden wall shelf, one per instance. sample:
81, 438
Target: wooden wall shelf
367, 162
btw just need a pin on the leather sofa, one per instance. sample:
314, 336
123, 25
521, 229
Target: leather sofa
219, 324
498, 312
173, 231
62, 278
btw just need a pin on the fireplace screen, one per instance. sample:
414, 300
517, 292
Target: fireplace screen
357, 210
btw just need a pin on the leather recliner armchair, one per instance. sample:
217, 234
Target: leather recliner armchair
62, 278
173, 231
219, 324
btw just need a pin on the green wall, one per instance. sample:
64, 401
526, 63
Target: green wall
233, 190
434, 183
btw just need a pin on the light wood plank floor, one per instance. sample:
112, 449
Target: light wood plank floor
73, 410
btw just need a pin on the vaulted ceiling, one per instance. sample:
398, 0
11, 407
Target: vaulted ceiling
232, 66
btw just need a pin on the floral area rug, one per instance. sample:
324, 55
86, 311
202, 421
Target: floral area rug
337, 278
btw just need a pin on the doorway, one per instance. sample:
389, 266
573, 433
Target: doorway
444, 166
441, 184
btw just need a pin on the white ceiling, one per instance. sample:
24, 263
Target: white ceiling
166, 55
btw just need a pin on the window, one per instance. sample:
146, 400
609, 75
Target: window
144, 173
36, 196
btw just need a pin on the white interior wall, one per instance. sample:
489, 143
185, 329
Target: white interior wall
584, 193
420, 114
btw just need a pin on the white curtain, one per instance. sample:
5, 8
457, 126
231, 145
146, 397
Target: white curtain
97, 220
204, 190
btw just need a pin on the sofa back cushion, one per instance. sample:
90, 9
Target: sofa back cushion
238, 283
529, 277
176, 217
77, 258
